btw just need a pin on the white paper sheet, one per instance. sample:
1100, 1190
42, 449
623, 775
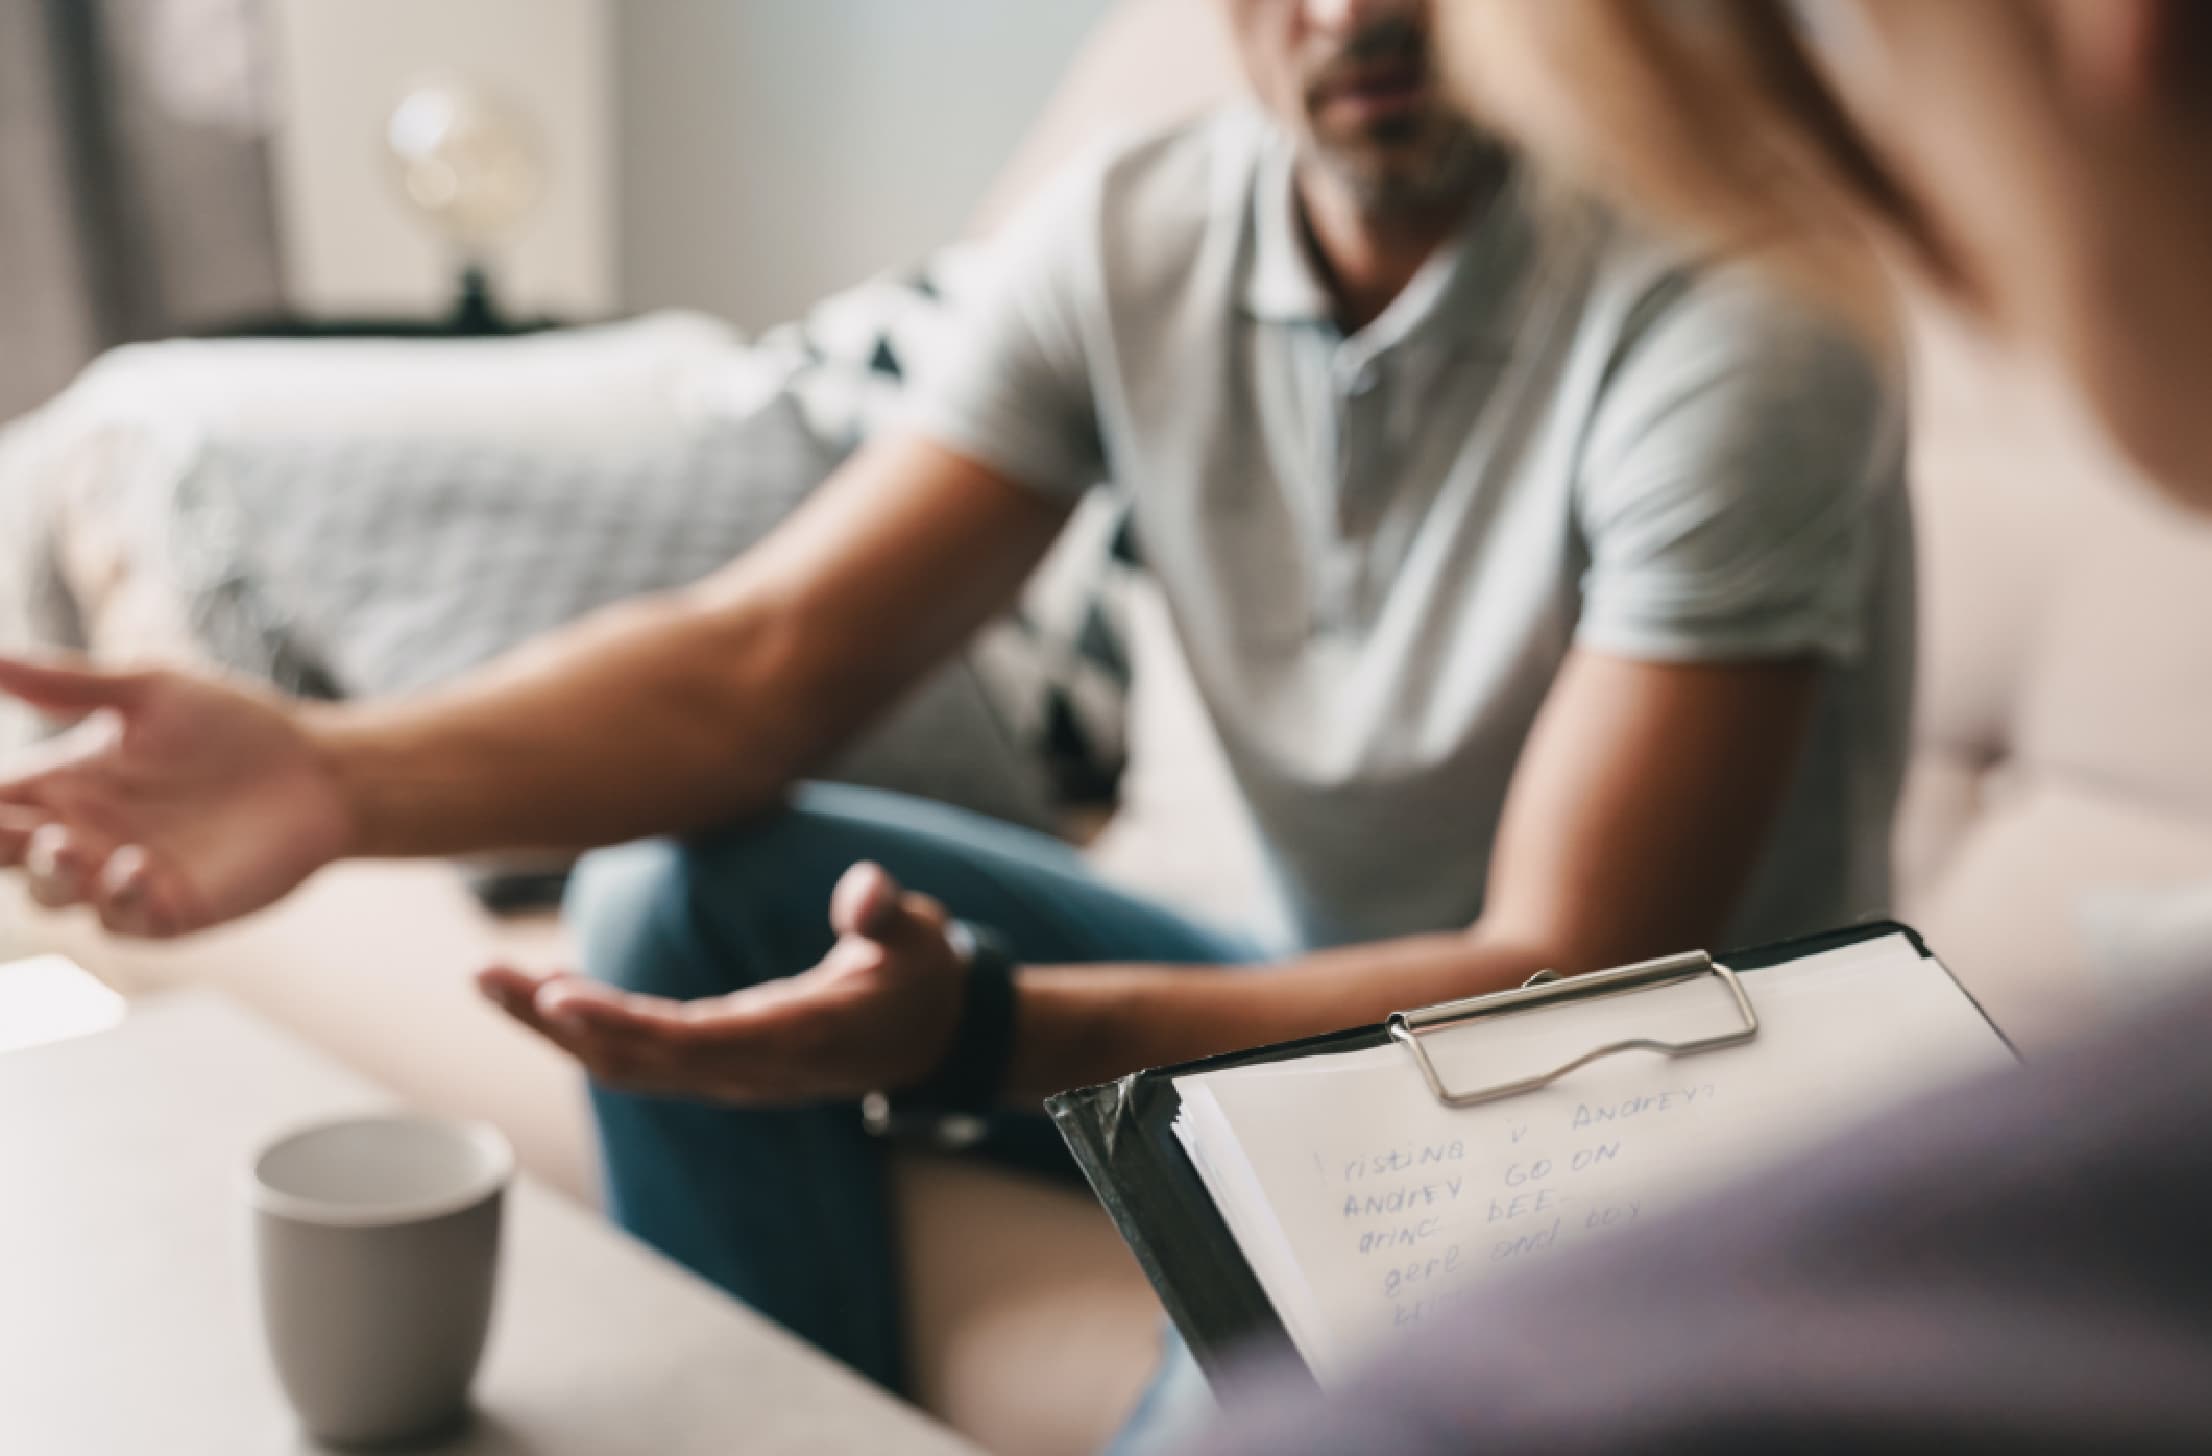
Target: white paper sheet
49, 998
1361, 1202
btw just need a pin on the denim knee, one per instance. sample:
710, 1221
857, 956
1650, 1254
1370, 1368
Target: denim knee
626, 908
642, 915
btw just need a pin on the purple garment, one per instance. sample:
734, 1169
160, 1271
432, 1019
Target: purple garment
2023, 1265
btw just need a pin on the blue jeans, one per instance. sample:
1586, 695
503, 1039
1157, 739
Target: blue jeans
786, 1208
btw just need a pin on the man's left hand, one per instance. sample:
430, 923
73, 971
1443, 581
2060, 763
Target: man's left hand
878, 1013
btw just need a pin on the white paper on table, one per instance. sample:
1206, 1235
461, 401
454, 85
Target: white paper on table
50, 998
1361, 1202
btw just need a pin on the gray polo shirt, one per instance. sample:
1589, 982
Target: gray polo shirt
1378, 550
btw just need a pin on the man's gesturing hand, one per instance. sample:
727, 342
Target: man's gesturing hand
175, 804
878, 1013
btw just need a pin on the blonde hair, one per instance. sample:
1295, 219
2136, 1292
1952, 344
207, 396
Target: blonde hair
1711, 114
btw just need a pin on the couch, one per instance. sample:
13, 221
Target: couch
2059, 782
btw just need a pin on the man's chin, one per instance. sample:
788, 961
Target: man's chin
1411, 160
1411, 143
1390, 174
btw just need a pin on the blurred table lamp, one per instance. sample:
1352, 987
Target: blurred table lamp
471, 168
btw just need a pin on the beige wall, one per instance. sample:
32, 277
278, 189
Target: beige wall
773, 150
350, 244
739, 156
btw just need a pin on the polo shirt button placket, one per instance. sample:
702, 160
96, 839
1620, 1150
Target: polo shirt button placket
1357, 439
1356, 379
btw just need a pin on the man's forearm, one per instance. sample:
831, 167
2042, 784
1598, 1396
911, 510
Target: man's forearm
653, 717
1078, 1025
1636, 816
689, 710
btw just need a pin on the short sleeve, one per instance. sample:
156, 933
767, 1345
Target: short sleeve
1740, 461
1009, 386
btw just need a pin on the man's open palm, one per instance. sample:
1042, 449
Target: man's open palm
176, 803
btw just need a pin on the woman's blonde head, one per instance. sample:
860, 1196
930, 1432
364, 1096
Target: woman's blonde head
2040, 167
1713, 116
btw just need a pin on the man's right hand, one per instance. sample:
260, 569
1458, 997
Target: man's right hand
177, 803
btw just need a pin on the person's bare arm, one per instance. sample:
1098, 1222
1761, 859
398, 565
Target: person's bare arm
182, 801
693, 708
1637, 812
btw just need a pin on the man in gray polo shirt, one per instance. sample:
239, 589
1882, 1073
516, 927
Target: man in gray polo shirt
1549, 593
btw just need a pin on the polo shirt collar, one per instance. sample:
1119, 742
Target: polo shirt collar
1283, 287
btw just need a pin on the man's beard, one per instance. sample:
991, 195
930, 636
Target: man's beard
1425, 159
1387, 174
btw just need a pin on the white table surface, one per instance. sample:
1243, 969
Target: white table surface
127, 1319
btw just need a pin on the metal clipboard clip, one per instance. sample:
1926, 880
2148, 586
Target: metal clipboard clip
1548, 988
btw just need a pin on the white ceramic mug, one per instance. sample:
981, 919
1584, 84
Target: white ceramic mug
377, 1239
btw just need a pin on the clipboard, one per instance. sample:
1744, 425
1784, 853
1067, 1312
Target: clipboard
1121, 1132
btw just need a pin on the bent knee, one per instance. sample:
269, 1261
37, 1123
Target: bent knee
630, 910
675, 918
617, 907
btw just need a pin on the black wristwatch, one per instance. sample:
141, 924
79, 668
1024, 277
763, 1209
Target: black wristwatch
951, 1105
